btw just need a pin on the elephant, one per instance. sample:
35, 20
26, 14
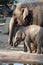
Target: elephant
15, 22
25, 14
30, 34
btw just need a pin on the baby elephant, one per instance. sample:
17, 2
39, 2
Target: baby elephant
30, 34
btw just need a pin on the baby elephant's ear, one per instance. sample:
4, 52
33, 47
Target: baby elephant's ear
23, 35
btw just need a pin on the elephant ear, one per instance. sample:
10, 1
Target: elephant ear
23, 35
25, 13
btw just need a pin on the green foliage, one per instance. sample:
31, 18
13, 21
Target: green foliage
4, 1
7, 1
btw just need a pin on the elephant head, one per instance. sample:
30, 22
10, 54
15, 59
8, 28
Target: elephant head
24, 15
20, 36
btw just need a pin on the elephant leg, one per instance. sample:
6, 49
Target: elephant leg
39, 48
39, 41
25, 48
28, 43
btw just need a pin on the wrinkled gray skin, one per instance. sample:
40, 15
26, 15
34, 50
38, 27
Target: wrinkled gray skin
24, 15
30, 34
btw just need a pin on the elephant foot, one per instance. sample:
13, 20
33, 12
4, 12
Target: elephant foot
30, 51
11, 44
38, 52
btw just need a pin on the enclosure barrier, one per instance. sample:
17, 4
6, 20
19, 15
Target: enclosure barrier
20, 57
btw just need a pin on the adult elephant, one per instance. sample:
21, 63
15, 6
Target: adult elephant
25, 14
